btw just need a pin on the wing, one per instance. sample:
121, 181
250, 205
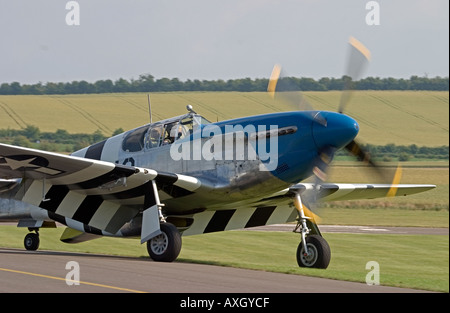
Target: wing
336, 192
279, 208
90, 193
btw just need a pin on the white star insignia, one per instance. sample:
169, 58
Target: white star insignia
14, 164
26, 165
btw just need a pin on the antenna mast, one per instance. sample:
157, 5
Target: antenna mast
149, 107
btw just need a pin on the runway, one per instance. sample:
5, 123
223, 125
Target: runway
360, 229
46, 272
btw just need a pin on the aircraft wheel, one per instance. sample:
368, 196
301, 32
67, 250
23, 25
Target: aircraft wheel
31, 241
319, 253
167, 246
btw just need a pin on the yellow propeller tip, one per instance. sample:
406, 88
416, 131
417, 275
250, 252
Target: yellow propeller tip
394, 186
360, 47
316, 219
274, 80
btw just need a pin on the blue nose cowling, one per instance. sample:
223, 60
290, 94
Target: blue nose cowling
338, 131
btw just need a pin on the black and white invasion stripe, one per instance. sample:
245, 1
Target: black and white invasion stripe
243, 217
86, 196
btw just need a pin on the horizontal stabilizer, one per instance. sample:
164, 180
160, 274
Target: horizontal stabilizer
71, 235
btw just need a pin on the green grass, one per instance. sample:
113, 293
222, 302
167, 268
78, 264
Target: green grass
408, 261
402, 260
399, 117
352, 215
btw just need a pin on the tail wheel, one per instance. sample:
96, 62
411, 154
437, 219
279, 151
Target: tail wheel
167, 246
319, 253
31, 241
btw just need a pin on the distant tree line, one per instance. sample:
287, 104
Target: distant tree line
62, 141
59, 141
148, 83
391, 152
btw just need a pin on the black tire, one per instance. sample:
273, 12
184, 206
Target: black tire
320, 253
167, 246
31, 241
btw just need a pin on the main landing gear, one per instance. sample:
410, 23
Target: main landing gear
313, 251
317, 255
167, 246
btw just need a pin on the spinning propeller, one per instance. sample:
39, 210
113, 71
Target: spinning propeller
284, 88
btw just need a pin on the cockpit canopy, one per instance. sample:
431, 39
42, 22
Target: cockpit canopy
162, 133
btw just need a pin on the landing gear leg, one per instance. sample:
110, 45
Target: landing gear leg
166, 246
313, 250
31, 241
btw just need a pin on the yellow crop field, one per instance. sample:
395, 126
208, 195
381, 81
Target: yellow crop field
398, 117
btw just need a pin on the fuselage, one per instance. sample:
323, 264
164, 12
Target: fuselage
242, 158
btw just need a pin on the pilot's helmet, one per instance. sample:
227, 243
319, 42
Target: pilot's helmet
174, 132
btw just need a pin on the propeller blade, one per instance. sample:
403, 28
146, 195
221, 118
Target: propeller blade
355, 149
320, 171
299, 205
273, 80
285, 89
364, 156
358, 59
394, 185
282, 87
323, 161
384, 174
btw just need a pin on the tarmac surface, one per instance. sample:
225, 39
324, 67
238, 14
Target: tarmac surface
56, 272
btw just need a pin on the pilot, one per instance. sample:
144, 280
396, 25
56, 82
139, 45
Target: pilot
174, 134
182, 130
155, 135
169, 138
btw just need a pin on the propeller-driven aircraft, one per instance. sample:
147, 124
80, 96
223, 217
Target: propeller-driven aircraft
185, 176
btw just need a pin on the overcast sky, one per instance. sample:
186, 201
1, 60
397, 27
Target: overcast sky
217, 39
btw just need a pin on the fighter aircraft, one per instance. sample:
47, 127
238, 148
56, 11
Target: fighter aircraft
185, 176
